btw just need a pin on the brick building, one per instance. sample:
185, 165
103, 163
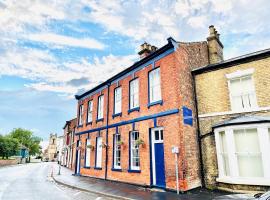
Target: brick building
69, 147
233, 101
128, 124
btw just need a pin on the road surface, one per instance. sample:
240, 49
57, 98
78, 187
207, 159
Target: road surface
34, 182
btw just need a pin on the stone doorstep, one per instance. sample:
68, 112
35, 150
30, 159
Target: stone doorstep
90, 191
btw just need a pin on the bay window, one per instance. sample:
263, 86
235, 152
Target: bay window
134, 94
243, 154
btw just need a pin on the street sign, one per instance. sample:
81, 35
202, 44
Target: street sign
187, 116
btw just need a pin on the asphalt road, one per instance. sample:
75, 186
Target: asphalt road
34, 182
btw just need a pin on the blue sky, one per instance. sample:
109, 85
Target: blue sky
51, 50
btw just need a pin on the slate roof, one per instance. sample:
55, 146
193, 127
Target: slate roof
245, 119
233, 61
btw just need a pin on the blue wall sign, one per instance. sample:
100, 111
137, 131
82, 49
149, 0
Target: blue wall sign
187, 116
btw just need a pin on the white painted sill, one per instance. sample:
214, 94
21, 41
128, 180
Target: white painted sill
245, 181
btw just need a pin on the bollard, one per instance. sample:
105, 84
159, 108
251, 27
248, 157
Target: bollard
59, 171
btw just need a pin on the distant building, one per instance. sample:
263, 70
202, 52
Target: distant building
60, 150
68, 143
50, 153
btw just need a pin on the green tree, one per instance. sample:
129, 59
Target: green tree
26, 138
8, 146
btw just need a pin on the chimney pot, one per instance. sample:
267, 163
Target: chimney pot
146, 49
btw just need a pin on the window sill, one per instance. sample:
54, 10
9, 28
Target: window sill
160, 102
134, 109
245, 181
87, 167
117, 115
116, 170
89, 123
99, 120
134, 171
98, 168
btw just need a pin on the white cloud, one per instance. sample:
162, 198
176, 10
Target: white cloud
51, 38
197, 22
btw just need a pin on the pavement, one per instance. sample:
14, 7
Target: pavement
33, 181
116, 190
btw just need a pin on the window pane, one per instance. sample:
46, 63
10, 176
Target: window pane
134, 94
99, 152
134, 151
90, 108
100, 107
154, 85
242, 93
156, 135
248, 153
224, 153
87, 156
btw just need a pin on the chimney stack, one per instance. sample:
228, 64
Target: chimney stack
215, 47
146, 49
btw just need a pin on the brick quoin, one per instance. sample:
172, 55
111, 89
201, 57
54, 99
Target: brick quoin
176, 91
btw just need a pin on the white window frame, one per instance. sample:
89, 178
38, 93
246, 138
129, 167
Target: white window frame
90, 111
240, 74
133, 146
87, 152
134, 94
154, 96
234, 178
98, 163
117, 100
81, 115
100, 107
117, 148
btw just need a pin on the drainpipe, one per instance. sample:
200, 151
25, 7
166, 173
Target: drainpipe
107, 132
198, 132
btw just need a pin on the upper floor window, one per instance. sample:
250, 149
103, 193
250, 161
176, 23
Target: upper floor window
117, 100
154, 85
134, 94
242, 91
81, 114
90, 111
100, 107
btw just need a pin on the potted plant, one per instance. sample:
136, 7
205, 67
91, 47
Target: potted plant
104, 145
91, 147
120, 142
139, 142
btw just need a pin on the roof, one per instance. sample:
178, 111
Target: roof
245, 119
233, 61
156, 53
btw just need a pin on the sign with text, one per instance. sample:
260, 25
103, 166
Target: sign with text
187, 116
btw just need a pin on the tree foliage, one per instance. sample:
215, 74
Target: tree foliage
8, 146
27, 139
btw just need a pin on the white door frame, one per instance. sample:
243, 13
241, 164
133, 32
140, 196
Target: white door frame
153, 141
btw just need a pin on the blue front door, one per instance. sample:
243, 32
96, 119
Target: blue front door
158, 167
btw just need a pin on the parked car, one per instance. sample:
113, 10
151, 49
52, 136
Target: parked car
259, 196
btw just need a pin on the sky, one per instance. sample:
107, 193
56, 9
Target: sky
52, 50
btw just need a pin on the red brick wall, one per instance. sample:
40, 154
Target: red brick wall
176, 90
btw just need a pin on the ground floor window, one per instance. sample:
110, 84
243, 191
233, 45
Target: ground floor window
117, 152
99, 152
243, 153
87, 153
134, 151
